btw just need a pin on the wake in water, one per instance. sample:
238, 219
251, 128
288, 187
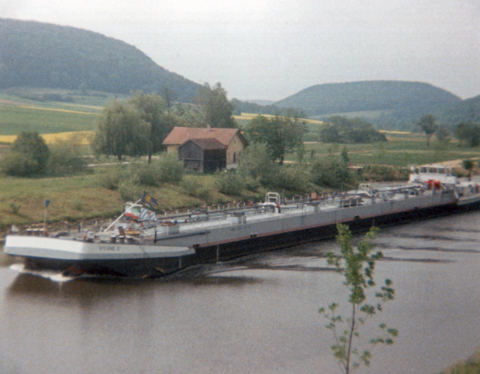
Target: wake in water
53, 276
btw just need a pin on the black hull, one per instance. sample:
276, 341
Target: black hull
144, 268
256, 244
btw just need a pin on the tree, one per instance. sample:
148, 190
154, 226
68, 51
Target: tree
153, 110
217, 110
281, 134
357, 265
27, 156
468, 133
122, 132
428, 125
443, 134
338, 129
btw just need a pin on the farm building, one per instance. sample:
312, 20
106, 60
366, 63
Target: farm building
203, 155
206, 147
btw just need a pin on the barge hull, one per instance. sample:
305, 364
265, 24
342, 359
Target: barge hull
223, 251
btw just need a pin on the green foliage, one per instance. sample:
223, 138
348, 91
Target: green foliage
153, 110
27, 156
130, 188
257, 167
281, 134
193, 188
121, 132
357, 266
164, 169
443, 134
330, 172
229, 182
169, 168
217, 110
468, 133
66, 157
427, 124
340, 129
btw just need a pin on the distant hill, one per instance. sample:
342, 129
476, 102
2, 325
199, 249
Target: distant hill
37, 54
367, 96
463, 111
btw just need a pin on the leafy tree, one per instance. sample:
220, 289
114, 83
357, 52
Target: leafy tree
217, 110
427, 124
66, 156
443, 134
153, 110
331, 172
468, 133
257, 167
281, 134
357, 265
122, 132
340, 129
27, 156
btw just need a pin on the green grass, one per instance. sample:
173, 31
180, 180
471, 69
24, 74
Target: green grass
15, 119
396, 152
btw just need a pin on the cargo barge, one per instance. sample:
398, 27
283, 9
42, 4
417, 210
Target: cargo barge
138, 244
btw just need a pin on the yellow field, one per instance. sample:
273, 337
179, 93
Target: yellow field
395, 132
55, 110
250, 116
82, 137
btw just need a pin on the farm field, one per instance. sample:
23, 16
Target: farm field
395, 152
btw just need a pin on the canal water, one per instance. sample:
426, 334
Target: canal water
254, 315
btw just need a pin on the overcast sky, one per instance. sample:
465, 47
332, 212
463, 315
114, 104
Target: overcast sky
270, 49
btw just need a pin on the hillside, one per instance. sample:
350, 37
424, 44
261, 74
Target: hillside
367, 96
463, 111
37, 54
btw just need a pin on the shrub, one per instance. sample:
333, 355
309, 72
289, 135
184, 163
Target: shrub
193, 188
331, 173
229, 183
65, 157
295, 178
147, 174
111, 177
18, 164
169, 168
27, 156
130, 189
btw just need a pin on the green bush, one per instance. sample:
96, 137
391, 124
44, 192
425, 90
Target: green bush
111, 177
18, 164
130, 189
293, 178
27, 156
147, 174
169, 168
65, 157
229, 182
331, 173
193, 188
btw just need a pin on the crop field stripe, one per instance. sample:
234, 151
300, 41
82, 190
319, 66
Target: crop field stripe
52, 138
55, 110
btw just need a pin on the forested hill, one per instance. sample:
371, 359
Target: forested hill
368, 96
37, 54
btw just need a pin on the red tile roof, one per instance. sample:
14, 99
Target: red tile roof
180, 135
